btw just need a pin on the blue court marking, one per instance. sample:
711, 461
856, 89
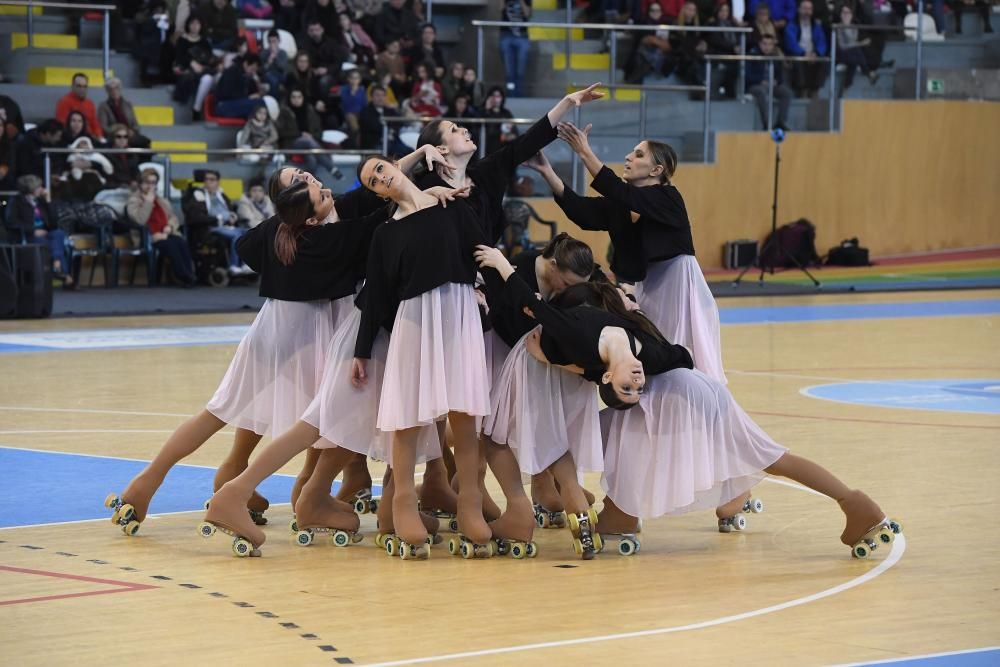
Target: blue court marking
52, 487
857, 311
985, 657
961, 395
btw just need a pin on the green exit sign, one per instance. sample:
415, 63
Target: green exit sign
935, 86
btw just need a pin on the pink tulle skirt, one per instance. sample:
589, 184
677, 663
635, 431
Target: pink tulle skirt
345, 415
677, 299
496, 354
278, 365
686, 446
436, 362
541, 412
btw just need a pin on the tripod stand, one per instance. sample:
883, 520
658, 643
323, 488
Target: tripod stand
777, 135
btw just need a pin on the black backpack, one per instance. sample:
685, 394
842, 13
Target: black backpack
848, 253
791, 243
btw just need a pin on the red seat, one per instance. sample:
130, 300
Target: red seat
251, 40
209, 114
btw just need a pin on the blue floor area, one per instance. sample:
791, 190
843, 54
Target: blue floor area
977, 396
42, 487
858, 311
989, 657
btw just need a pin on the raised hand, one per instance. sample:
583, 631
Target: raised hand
434, 159
538, 162
445, 195
576, 138
588, 94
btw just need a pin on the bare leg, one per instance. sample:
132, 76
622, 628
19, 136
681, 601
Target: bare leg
435, 491
183, 442
544, 491
564, 471
383, 516
356, 478
405, 516
586, 494
312, 456
470, 499
316, 508
491, 512
225, 505
518, 521
236, 462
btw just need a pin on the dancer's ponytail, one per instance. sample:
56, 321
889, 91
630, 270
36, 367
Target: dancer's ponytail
293, 207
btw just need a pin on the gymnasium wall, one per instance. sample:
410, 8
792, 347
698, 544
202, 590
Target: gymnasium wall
904, 177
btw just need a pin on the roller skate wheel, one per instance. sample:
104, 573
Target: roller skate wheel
304, 538
725, 526
293, 526
126, 512
453, 525
206, 504
341, 538
131, 528
577, 546
598, 542
592, 515
242, 548
436, 538
574, 522
115, 516
531, 549
626, 547
518, 550
861, 550
542, 520
405, 550
756, 505
453, 546
373, 505
491, 549
895, 527
886, 536
361, 506
109, 501
205, 529
380, 540
258, 518
390, 545
560, 521
467, 550
739, 522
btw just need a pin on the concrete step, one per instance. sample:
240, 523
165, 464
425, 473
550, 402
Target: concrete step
39, 102
581, 61
165, 145
14, 10
19, 64
154, 116
213, 136
538, 34
954, 53
46, 75
54, 24
19, 40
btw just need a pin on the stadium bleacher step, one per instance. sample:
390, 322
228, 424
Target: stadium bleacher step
165, 146
48, 75
538, 34
581, 61
14, 10
19, 40
154, 116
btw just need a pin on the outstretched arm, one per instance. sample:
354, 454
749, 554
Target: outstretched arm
579, 141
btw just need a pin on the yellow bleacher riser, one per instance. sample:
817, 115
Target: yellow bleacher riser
13, 10
544, 5
545, 34
165, 146
581, 61
154, 116
621, 95
63, 76
19, 40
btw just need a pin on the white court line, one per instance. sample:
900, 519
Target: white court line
843, 380
18, 408
89, 430
100, 456
898, 548
920, 657
793, 485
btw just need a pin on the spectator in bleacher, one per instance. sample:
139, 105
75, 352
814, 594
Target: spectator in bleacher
724, 74
364, 14
514, 44
76, 100
254, 9
76, 127
461, 107
29, 216
299, 127
29, 156
301, 76
194, 67
757, 82
117, 110
650, 55
361, 46
125, 166
761, 25
391, 62
371, 124
688, 48
958, 7
254, 207
474, 88
426, 51
326, 53
221, 24
259, 132
286, 15
805, 37
13, 112
237, 93
396, 22
85, 174
321, 11
669, 9
8, 154
451, 84
208, 210
851, 50
147, 208
274, 64
496, 107
353, 98
782, 12
425, 96
151, 39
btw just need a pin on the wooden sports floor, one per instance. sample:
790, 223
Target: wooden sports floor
94, 395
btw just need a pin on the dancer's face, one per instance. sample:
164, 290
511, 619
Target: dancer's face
627, 379
383, 178
290, 176
322, 201
456, 139
639, 164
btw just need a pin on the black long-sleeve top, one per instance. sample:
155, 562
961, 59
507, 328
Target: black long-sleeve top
571, 336
492, 174
506, 317
413, 255
662, 231
329, 260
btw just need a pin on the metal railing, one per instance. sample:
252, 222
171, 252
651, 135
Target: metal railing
167, 152
106, 9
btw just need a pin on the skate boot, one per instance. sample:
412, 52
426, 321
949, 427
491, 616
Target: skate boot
242, 546
130, 507
442, 515
342, 527
548, 519
256, 507
513, 530
587, 541
123, 514
731, 514
867, 526
227, 512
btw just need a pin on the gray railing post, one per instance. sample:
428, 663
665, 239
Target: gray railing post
166, 176
831, 113
385, 137
569, 32
31, 29
430, 11
482, 140
612, 58
770, 94
575, 181
707, 111
642, 114
479, 52
918, 74
107, 44
48, 172
741, 85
